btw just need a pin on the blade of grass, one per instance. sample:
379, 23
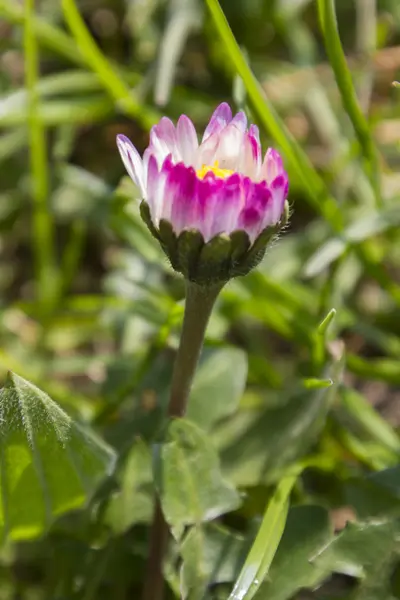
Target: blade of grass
369, 419
48, 35
312, 183
43, 227
259, 559
107, 74
337, 59
12, 142
57, 112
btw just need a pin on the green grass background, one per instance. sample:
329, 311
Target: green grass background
90, 310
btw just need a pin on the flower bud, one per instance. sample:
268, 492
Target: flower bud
213, 206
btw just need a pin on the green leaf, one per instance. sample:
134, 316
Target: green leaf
358, 548
259, 559
211, 555
189, 480
307, 530
221, 376
48, 463
132, 503
258, 445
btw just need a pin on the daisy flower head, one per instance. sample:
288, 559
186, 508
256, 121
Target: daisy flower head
215, 205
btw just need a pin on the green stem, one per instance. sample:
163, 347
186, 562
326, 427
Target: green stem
199, 304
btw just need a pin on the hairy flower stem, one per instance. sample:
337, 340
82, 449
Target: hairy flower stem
199, 304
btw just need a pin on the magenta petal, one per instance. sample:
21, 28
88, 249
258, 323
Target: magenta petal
219, 119
272, 166
259, 201
186, 139
279, 189
240, 121
249, 220
208, 193
255, 132
163, 140
132, 162
180, 187
230, 204
250, 158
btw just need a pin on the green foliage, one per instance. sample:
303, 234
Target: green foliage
188, 478
292, 424
49, 464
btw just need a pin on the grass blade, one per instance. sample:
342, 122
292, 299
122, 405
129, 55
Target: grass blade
111, 81
48, 35
312, 183
263, 550
337, 59
43, 228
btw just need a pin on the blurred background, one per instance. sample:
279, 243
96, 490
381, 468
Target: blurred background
90, 310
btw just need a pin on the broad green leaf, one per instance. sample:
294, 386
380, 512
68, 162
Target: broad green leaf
218, 386
358, 548
307, 530
369, 499
48, 463
377, 583
211, 555
258, 445
132, 503
189, 480
263, 550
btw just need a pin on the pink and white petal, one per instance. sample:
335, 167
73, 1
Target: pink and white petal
206, 152
163, 139
249, 161
230, 204
229, 148
272, 166
240, 121
279, 190
259, 202
132, 162
157, 201
255, 132
180, 187
254, 137
153, 175
249, 220
221, 116
208, 194
187, 141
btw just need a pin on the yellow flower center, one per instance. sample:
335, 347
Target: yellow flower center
222, 173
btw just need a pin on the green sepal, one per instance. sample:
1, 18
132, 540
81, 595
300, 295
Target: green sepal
146, 217
240, 243
257, 251
220, 259
215, 260
169, 242
190, 244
